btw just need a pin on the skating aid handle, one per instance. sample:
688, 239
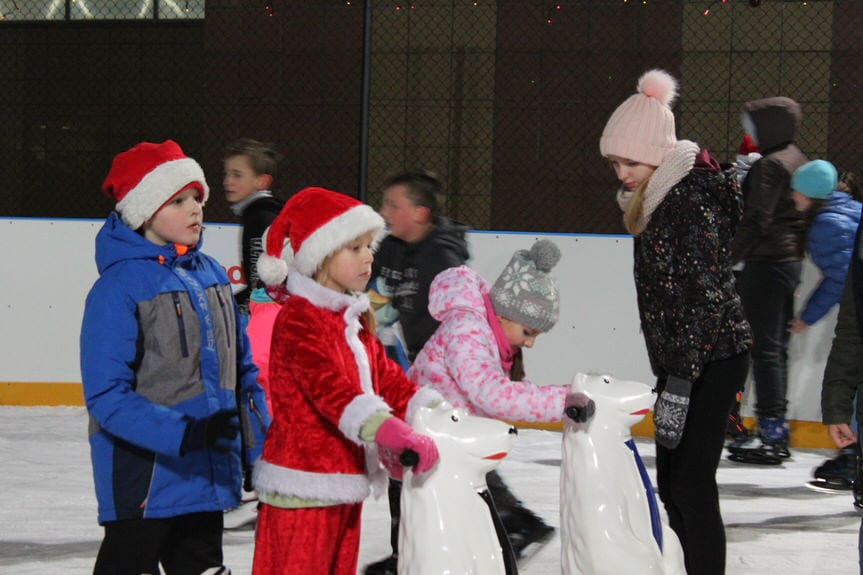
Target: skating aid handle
581, 413
409, 458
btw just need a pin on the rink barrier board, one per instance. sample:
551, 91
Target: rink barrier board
39, 393
808, 434
598, 330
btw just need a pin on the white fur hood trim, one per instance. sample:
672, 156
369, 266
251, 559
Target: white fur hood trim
324, 297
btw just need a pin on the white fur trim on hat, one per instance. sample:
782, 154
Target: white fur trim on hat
334, 234
273, 270
157, 187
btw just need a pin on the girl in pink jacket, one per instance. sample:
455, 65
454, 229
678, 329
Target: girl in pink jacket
474, 359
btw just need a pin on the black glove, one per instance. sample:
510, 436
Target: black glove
578, 407
217, 431
669, 413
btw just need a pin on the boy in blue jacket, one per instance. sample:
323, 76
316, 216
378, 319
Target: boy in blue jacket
176, 414
830, 241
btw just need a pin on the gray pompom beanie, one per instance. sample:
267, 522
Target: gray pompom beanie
525, 292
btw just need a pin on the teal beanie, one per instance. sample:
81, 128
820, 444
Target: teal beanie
816, 179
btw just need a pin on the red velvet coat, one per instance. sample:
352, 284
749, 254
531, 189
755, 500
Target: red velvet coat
328, 375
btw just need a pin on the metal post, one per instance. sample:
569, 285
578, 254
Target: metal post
366, 94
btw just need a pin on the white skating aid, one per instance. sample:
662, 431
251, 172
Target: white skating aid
606, 521
446, 526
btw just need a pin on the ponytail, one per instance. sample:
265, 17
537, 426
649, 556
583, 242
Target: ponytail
633, 219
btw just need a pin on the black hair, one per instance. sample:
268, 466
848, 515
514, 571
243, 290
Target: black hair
424, 189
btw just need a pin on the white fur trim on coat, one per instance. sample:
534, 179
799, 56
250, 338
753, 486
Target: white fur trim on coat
324, 297
157, 187
335, 487
357, 412
334, 234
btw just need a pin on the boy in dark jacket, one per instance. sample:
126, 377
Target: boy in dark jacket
422, 243
770, 241
175, 410
250, 167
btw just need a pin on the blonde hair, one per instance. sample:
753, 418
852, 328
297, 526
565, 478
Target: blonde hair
633, 219
323, 275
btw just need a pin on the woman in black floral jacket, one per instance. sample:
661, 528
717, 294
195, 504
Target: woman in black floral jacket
682, 208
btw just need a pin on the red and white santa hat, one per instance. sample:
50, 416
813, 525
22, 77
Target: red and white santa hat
314, 224
748, 146
143, 178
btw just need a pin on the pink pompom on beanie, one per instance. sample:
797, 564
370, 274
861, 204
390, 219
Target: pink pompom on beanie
642, 127
143, 178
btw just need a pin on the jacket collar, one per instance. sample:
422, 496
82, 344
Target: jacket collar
324, 297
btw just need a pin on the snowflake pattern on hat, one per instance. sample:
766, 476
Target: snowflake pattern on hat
525, 292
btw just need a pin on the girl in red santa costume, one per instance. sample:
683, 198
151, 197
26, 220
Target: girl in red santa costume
338, 402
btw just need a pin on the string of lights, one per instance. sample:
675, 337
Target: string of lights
553, 9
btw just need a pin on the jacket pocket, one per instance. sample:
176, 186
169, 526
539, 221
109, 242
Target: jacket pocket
223, 306
181, 324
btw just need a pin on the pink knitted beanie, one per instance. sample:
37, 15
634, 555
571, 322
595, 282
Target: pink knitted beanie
642, 127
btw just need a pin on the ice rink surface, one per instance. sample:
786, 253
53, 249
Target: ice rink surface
775, 524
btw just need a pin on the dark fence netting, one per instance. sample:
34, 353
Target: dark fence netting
505, 100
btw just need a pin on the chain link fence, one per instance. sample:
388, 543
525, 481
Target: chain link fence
70, 10
504, 99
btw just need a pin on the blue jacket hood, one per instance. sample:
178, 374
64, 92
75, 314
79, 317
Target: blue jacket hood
116, 242
831, 243
843, 204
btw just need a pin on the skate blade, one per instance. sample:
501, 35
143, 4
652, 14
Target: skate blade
749, 460
822, 486
532, 549
241, 517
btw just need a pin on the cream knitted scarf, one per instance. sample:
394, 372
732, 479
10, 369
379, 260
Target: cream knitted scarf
677, 164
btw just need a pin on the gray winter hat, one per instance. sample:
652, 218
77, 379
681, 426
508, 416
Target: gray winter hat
525, 292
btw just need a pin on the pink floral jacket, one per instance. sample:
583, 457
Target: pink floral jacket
462, 361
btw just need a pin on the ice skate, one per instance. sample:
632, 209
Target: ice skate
527, 542
857, 486
756, 451
736, 431
836, 475
386, 566
769, 446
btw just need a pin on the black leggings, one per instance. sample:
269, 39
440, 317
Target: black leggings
767, 292
184, 545
686, 475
